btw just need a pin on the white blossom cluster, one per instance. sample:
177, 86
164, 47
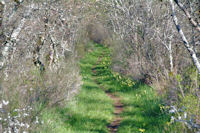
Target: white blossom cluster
17, 120
179, 115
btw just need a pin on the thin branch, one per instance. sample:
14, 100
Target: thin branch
194, 23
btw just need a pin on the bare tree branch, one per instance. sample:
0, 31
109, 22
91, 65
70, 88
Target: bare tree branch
185, 41
192, 21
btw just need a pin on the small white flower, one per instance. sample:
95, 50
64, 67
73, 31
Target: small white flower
36, 121
27, 125
5, 102
22, 124
17, 122
16, 130
179, 117
25, 114
185, 115
172, 118
11, 123
3, 2
171, 111
9, 130
16, 110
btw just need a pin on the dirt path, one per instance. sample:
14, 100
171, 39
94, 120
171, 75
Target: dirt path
118, 110
113, 126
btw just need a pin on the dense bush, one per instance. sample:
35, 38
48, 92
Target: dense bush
38, 60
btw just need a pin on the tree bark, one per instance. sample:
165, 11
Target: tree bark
185, 41
171, 57
14, 35
192, 21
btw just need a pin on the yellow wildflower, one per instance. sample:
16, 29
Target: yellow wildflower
167, 107
168, 123
142, 130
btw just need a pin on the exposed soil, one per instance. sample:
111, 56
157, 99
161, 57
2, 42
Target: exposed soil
118, 110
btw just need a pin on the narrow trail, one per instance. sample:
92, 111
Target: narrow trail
113, 126
118, 110
109, 102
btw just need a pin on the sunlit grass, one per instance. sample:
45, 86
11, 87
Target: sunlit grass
91, 110
141, 103
142, 111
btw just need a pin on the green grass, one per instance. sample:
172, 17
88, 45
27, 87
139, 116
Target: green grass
142, 111
141, 102
89, 112
92, 110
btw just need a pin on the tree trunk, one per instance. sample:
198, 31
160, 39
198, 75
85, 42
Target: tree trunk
171, 57
185, 41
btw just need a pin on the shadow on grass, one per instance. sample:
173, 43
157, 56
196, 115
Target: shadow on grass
82, 123
86, 86
93, 100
